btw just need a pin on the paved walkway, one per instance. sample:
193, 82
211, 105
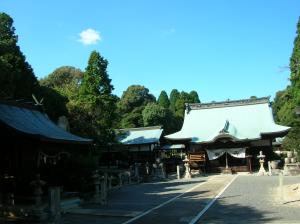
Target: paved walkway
250, 199
175, 201
219, 199
185, 207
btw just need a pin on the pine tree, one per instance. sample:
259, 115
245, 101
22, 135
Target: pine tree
95, 81
287, 100
163, 100
16, 78
194, 97
295, 59
174, 96
96, 101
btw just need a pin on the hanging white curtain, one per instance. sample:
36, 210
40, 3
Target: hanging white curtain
215, 153
235, 152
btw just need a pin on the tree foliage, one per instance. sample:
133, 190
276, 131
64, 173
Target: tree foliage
131, 105
95, 81
17, 79
63, 77
94, 111
58, 88
174, 96
163, 100
194, 97
154, 114
287, 100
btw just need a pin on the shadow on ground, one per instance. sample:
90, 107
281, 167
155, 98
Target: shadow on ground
143, 196
224, 213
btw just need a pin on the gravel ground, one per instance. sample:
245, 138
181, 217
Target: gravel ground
250, 199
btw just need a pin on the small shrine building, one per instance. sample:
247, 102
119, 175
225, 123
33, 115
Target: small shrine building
138, 144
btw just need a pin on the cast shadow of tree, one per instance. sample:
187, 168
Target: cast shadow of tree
236, 213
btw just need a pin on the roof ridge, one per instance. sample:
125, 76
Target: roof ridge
140, 128
228, 103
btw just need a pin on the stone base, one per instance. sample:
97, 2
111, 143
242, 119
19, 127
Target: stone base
291, 170
39, 215
275, 172
262, 173
227, 171
187, 175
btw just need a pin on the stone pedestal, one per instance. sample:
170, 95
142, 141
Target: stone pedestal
291, 166
159, 171
227, 170
38, 210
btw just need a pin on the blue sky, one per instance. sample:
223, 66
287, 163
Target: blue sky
223, 49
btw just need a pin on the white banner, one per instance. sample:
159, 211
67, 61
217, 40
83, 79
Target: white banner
235, 152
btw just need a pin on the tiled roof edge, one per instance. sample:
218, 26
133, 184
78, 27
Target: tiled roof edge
228, 103
140, 129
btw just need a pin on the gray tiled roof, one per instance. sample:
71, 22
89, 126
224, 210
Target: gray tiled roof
35, 123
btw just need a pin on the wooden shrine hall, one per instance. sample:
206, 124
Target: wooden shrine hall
31, 144
136, 145
230, 133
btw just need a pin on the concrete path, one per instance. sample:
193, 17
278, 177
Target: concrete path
250, 199
185, 207
220, 199
173, 201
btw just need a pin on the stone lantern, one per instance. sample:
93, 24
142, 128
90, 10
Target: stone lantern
187, 174
262, 170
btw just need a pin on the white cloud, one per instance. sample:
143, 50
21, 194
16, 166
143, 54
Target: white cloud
89, 36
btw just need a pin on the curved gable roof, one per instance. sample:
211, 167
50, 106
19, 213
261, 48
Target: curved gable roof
137, 136
35, 123
243, 120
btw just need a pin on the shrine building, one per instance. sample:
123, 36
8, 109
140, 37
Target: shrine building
229, 134
32, 144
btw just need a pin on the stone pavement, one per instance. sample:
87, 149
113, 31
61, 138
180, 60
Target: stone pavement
184, 208
250, 199
173, 201
247, 199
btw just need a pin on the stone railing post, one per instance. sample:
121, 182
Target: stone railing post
103, 184
54, 203
96, 178
178, 171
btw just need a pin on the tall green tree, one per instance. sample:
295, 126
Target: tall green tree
96, 105
17, 79
66, 80
174, 96
95, 81
194, 97
62, 77
286, 101
58, 88
163, 100
154, 114
132, 104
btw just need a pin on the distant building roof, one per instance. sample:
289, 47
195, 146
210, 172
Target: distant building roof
174, 146
239, 120
138, 136
33, 122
